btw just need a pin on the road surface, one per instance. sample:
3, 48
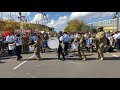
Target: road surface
50, 67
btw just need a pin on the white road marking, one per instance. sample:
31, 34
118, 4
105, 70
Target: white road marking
19, 65
32, 56
23, 62
115, 55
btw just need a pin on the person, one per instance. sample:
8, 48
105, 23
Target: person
118, 41
66, 39
18, 44
10, 40
100, 43
81, 43
60, 51
25, 43
2, 44
37, 47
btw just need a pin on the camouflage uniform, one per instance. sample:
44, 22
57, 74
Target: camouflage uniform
37, 48
100, 44
81, 47
25, 44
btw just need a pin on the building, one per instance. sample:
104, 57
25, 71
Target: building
109, 25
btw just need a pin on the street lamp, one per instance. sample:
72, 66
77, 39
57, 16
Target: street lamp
116, 16
22, 18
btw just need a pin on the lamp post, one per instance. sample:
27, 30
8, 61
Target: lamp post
117, 13
22, 18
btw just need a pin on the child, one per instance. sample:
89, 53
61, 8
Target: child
60, 51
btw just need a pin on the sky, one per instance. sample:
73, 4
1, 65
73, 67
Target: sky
58, 20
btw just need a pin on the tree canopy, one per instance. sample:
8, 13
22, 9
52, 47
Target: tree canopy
74, 26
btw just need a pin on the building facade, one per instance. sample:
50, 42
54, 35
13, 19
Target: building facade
109, 25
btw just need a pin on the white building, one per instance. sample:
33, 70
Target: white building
110, 24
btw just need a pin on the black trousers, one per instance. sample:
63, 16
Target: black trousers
61, 53
118, 44
18, 51
66, 48
10, 52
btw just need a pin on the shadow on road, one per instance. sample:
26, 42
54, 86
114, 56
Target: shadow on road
85, 54
43, 59
112, 58
1, 62
6, 57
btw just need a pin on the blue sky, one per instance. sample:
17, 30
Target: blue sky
59, 20
56, 15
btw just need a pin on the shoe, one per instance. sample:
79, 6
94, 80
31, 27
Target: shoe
38, 59
101, 59
58, 58
80, 58
63, 60
84, 59
18, 59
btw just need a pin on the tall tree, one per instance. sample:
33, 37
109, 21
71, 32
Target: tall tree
74, 26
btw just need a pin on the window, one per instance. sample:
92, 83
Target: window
110, 21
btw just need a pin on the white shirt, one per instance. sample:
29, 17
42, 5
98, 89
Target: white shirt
118, 36
10, 39
108, 35
18, 41
115, 36
61, 38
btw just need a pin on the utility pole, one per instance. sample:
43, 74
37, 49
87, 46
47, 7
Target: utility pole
1, 15
117, 13
10, 15
116, 16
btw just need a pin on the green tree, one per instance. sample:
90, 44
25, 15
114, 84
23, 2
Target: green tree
93, 30
74, 26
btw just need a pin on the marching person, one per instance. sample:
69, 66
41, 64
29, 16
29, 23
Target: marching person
25, 43
81, 46
100, 43
10, 40
37, 47
66, 39
18, 44
60, 51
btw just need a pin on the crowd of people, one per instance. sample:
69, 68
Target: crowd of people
25, 42
14, 43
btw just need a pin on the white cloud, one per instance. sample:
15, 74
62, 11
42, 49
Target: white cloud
89, 15
40, 18
61, 22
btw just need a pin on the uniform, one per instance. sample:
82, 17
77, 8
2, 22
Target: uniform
66, 39
25, 44
81, 47
37, 48
100, 44
60, 51
18, 48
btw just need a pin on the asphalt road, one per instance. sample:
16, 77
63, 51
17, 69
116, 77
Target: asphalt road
50, 67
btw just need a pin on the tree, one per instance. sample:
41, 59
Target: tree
93, 30
74, 26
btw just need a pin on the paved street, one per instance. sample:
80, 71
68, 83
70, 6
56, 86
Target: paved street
50, 67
